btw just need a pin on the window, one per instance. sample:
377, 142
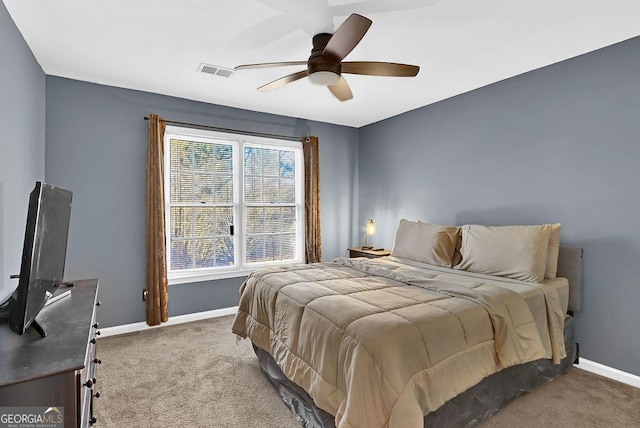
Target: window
233, 204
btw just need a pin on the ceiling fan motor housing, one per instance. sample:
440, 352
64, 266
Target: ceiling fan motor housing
317, 61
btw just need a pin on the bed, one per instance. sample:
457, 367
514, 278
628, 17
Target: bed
399, 342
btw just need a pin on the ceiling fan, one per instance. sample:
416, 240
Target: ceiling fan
325, 65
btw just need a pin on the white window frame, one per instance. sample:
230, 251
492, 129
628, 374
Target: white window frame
238, 143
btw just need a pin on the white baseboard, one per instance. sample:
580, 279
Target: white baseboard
180, 319
609, 372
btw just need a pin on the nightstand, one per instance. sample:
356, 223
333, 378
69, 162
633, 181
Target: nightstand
371, 254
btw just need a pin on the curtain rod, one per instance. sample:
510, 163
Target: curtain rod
236, 131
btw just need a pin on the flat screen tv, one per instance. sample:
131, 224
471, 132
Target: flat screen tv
43, 255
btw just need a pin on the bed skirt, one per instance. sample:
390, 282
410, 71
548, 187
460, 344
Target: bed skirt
469, 408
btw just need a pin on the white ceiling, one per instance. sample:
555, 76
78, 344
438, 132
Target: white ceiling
460, 45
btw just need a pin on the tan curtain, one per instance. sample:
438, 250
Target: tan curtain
157, 284
313, 240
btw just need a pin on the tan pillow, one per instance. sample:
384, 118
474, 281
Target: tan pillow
552, 251
518, 252
426, 243
457, 257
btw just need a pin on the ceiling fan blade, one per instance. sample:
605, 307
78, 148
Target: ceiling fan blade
269, 64
347, 36
341, 90
283, 81
373, 68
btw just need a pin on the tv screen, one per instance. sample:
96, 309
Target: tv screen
43, 254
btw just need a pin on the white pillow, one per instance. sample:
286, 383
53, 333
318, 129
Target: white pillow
426, 243
518, 252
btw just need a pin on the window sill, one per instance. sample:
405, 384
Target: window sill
176, 278
189, 278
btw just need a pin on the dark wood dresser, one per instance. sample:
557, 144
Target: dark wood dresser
59, 369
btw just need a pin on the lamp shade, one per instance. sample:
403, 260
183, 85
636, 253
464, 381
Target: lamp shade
371, 227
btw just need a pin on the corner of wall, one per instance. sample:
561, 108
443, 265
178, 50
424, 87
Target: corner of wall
356, 192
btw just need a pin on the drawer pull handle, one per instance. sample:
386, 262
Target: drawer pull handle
93, 341
96, 325
88, 383
93, 420
98, 333
96, 395
97, 361
98, 303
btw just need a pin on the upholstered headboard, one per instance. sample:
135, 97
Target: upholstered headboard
570, 267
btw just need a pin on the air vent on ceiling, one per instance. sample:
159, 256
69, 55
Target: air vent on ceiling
215, 70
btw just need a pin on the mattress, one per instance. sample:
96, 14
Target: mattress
445, 330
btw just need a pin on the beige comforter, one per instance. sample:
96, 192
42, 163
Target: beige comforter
378, 343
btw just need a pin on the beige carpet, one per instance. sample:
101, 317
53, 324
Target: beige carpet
197, 375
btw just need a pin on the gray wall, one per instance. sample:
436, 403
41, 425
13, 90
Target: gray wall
556, 144
22, 124
96, 146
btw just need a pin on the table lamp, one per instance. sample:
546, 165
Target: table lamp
370, 229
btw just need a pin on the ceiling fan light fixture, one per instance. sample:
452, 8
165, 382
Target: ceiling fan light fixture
325, 78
